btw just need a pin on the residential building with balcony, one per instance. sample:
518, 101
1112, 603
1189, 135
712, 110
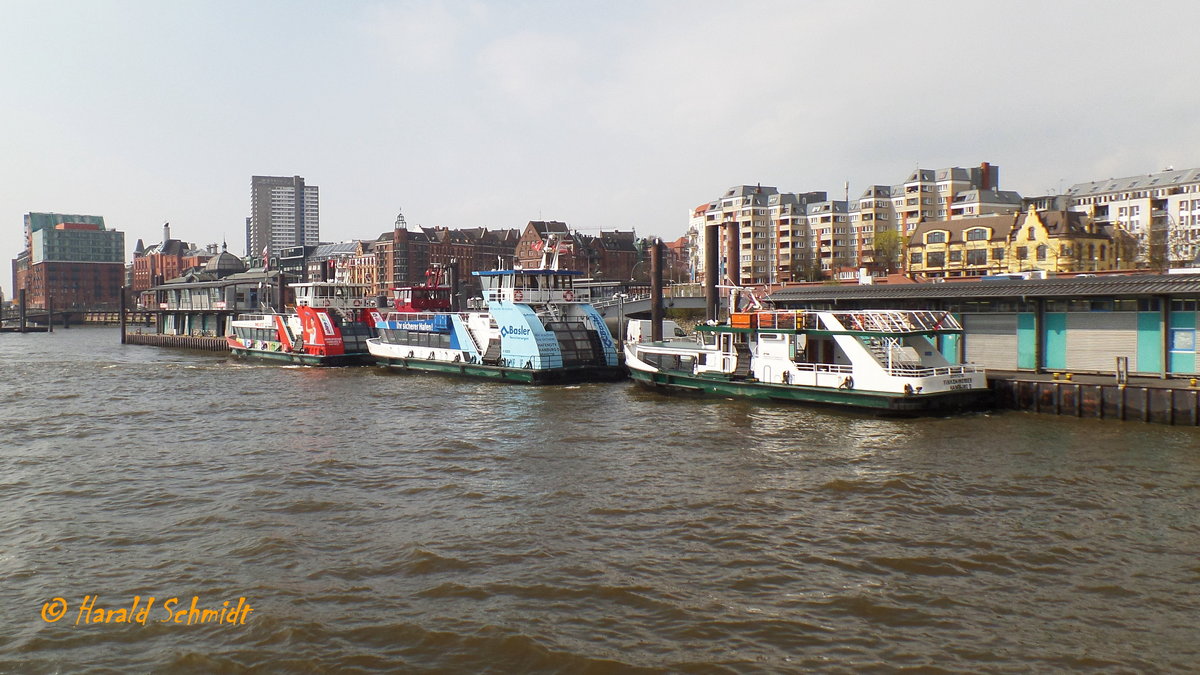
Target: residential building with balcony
1161, 210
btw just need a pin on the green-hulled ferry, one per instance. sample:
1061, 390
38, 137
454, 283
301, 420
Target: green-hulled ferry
880, 361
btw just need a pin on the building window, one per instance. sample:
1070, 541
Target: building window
1022, 253
1041, 251
977, 256
977, 234
936, 237
936, 259
956, 256
915, 258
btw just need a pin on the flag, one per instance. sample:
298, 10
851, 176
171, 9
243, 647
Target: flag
538, 245
266, 256
566, 248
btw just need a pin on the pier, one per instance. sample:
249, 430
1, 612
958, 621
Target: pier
1139, 399
201, 342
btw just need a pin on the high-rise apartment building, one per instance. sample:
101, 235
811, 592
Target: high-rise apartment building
284, 212
778, 237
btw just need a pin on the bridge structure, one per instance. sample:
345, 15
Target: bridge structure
37, 319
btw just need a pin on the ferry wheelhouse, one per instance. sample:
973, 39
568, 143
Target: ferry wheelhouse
885, 361
537, 328
329, 327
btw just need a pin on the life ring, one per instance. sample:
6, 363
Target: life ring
569, 295
357, 303
518, 295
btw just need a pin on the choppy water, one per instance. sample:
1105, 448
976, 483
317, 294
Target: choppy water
379, 522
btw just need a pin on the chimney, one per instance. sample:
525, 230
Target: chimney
985, 177
166, 232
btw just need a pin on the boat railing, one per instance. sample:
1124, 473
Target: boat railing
896, 371
537, 296
611, 301
897, 321
774, 320
418, 316
256, 317
824, 368
917, 371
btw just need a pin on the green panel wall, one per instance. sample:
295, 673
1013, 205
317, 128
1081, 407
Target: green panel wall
949, 346
1056, 340
1149, 343
1026, 341
1183, 362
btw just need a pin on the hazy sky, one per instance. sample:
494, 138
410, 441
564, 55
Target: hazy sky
601, 114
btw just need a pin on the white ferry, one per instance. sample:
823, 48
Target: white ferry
538, 328
884, 361
330, 327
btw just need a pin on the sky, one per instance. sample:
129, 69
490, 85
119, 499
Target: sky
606, 115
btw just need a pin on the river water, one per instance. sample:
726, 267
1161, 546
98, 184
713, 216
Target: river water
382, 522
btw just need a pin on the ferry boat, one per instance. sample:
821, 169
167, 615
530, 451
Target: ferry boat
878, 360
537, 328
330, 327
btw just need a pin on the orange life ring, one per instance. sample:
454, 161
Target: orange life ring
357, 303
518, 295
569, 296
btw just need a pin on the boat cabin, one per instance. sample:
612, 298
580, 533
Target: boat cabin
532, 286
325, 294
421, 299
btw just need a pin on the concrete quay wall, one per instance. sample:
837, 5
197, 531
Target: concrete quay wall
1173, 402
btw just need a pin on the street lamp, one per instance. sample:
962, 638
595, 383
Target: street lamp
621, 298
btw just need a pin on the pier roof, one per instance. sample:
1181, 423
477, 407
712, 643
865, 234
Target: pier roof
1132, 285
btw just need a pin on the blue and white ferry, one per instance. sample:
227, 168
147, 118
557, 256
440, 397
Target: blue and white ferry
538, 328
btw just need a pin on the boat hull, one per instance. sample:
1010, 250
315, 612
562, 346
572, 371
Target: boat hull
570, 375
884, 403
302, 359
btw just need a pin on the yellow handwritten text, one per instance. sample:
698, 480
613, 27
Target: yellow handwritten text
91, 611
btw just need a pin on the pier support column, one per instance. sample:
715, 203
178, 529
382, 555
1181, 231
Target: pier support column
22, 319
1039, 335
656, 291
712, 265
1165, 320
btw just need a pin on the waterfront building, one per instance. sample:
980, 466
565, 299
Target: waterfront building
616, 256
528, 253
168, 259
71, 262
204, 300
340, 262
1057, 242
784, 237
284, 212
1161, 210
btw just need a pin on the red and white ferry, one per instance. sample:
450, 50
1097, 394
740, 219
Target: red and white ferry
330, 327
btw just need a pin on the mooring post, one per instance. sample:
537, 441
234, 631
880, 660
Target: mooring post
122, 320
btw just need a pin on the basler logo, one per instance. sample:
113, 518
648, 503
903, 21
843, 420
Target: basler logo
515, 331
